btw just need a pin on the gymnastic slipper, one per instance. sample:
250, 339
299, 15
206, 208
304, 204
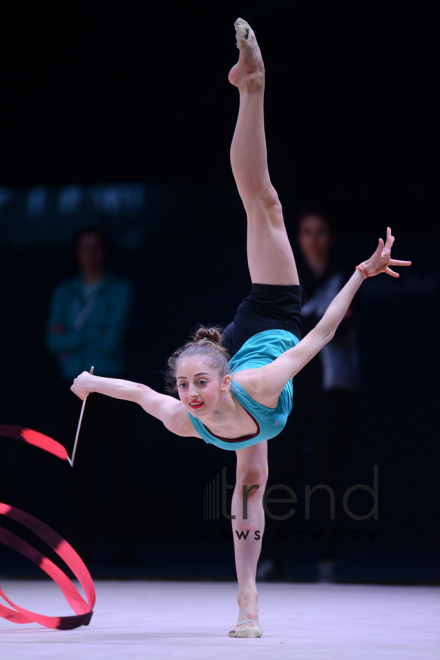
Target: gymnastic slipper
244, 34
256, 631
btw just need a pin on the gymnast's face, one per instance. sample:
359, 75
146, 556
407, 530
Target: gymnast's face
200, 387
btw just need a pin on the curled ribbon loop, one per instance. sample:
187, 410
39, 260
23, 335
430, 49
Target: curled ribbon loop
83, 608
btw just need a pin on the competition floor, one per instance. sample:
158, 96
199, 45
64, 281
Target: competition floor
191, 620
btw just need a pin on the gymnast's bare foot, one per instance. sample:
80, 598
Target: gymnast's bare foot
248, 73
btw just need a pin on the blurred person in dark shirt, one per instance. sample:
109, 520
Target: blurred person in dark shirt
87, 325
324, 399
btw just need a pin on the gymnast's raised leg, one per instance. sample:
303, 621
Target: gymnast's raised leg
271, 261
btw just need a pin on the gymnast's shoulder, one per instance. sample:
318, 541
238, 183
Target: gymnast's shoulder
176, 420
169, 410
180, 423
255, 383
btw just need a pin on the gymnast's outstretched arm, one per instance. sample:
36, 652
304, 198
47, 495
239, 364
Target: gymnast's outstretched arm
274, 376
166, 408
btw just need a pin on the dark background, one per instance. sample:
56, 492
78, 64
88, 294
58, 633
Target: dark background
109, 92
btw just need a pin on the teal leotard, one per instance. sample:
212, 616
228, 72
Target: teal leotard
259, 350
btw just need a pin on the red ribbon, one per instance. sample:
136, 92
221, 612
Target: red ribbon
83, 608
36, 439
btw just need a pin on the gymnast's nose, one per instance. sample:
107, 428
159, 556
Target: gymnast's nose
192, 392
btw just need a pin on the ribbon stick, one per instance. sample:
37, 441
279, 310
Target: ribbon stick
79, 426
83, 608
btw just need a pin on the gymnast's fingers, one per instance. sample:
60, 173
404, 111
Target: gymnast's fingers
391, 272
390, 238
76, 390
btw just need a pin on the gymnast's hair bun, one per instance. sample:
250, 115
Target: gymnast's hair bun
211, 334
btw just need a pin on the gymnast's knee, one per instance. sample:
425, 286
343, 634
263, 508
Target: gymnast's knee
266, 197
252, 482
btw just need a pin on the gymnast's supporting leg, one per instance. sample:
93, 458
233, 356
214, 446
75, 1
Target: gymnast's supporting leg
252, 470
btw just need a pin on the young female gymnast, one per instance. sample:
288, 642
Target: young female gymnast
240, 404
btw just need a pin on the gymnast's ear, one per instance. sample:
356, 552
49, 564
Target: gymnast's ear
226, 383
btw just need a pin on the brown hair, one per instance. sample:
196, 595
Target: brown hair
205, 342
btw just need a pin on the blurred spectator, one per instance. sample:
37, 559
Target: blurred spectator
87, 324
324, 397
89, 313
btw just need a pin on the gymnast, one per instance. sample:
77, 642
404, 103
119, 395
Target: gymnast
235, 389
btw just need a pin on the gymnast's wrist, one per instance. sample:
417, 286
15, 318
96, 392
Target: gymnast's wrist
90, 382
363, 269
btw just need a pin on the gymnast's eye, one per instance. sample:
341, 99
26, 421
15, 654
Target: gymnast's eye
203, 382
181, 385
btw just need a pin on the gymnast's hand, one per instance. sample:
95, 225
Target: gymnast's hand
81, 385
381, 260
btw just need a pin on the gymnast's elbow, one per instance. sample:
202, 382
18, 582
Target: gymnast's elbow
140, 394
329, 336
